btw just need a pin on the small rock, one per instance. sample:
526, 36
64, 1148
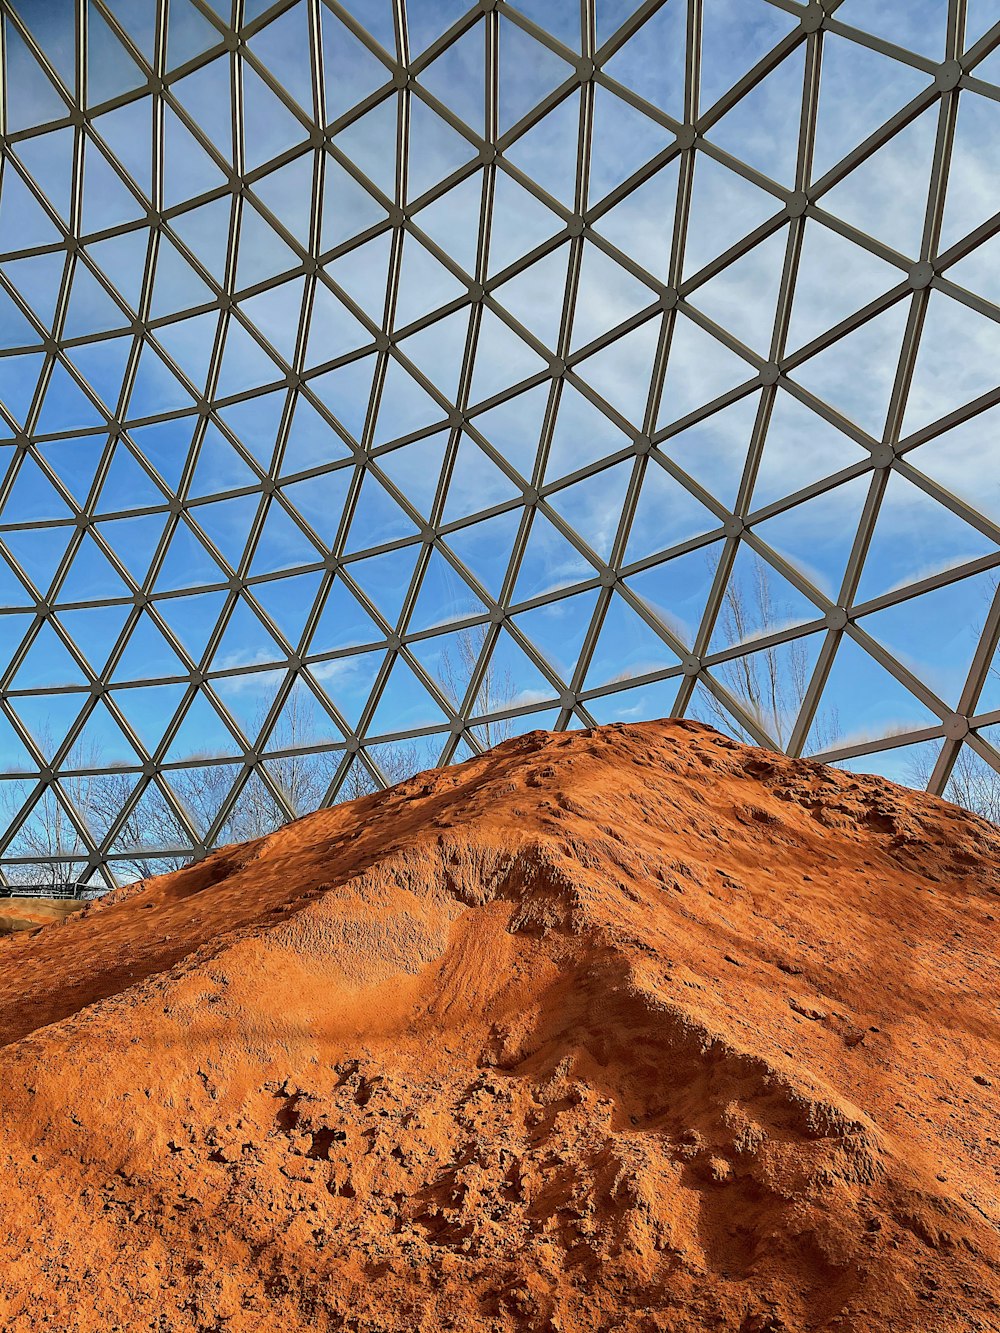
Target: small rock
982, 1080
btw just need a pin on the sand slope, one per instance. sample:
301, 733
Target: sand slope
627, 1030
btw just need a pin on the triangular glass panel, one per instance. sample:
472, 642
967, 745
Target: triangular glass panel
800, 449
38, 551
66, 407
514, 426
626, 647
47, 663
193, 620
385, 578
439, 350
816, 535
453, 220
333, 330
262, 252
188, 563
659, 78
957, 361
102, 365
155, 388
148, 654
107, 202
311, 440
246, 641
49, 159
128, 133
770, 685
363, 273
18, 381
404, 704
757, 602
31, 97
855, 375
535, 296
343, 623
557, 630
502, 359
975, 156
245, 364
190, 343
177, 286
226, 523
320, 499
621, 371
860, 89
370, 143
416, 468
677, 591
377, 518
346, 391
347, 682
15, 330
435, 150
289, 602
404, 407
699, 369
188, 34
111, 70
548, 151
520, 222
275, 313
835, 278
444, 597
91, 309
861, 701
350, 70
91, 575
607, 296
187, 169
134, 541
593, 506
549, 562
288, 193
529, 71
724, 209
206, 231
485, 548
476, 483
762, 129
666, 513
202, 734
743, 297
734, 38
582, 434
269, 128
280, 46
870, 197
641, 225
966, 462
897, 22
424, 284
206, 96
915, 537
37, 281
348, 208
22, 215
456, 77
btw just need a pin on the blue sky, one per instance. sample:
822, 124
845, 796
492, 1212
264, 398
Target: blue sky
111, 422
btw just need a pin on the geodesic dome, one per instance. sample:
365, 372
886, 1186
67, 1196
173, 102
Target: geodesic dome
381, 377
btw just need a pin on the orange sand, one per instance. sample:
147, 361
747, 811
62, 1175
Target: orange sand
30, 913
628, 1030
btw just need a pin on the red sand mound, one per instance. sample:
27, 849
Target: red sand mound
634, 1030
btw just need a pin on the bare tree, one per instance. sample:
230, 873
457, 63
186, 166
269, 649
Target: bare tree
772, 682
495, 693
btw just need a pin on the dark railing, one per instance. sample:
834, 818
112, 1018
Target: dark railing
42, 890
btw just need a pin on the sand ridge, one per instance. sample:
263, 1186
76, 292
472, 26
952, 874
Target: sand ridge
626, 1029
